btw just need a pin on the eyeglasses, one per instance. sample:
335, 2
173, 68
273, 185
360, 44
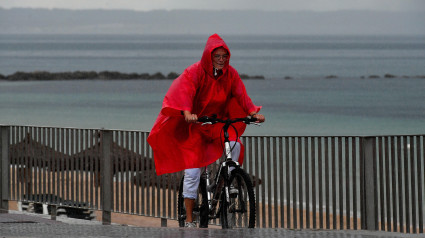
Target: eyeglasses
224, 57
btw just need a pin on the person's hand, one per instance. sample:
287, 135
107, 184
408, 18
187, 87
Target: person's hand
189, 117
260, 117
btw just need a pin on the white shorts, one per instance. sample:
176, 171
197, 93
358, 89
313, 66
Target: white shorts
192, 176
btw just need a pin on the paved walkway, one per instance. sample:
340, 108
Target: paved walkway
22, 224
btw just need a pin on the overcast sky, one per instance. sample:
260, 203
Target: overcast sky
290, 5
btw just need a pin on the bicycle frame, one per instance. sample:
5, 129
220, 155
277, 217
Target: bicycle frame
224, 171
223, 188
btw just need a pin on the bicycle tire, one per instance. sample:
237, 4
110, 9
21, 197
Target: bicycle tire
200, 208
203, 210
240, 211
181, 210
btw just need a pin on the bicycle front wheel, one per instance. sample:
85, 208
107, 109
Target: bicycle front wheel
239, 211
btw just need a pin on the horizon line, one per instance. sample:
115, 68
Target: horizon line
212, 10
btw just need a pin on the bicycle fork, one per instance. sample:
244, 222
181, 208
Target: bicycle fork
214, 190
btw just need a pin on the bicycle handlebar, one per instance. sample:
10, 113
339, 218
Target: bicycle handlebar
214, 119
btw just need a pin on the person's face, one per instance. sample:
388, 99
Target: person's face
219, 58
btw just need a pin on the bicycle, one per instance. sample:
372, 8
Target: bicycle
231, 189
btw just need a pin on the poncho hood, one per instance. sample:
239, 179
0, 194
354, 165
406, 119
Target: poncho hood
213, 42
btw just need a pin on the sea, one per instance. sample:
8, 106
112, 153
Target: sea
313, 85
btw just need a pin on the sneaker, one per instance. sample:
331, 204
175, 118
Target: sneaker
190, 225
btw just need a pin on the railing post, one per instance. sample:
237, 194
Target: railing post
53, 212
106, 177
369, 197
4, 169
163, 222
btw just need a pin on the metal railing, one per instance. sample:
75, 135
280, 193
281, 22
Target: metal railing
373, 183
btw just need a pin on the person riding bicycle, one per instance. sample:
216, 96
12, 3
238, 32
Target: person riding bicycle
209, 87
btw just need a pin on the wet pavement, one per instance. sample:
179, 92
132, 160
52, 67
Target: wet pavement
22, 224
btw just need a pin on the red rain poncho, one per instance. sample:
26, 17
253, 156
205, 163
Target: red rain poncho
178, 145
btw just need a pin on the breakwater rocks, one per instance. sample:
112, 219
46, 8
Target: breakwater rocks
84, 75
114, 75
388, 76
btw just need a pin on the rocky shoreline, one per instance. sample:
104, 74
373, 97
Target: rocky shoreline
114, 75
388, 76
92, 75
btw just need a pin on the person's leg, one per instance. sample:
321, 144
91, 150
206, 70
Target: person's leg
235, 152
190, 190
235, 157
189, 204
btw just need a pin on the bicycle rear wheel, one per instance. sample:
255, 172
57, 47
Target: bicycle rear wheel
200, 210
239, 212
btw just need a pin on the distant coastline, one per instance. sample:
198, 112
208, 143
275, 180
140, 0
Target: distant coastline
92, 75
114, 75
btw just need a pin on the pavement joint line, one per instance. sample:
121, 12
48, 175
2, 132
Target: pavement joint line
39, 225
